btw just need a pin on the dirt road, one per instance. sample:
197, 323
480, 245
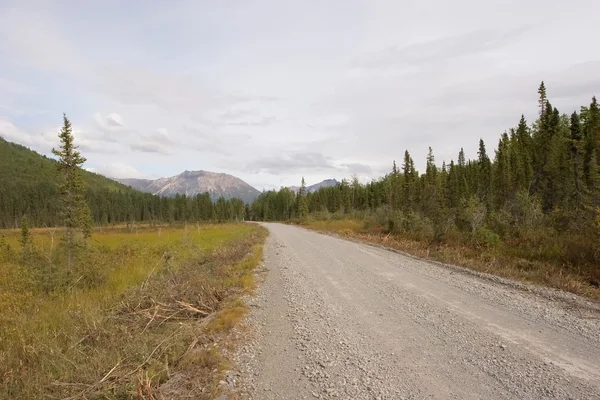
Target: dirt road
337, 319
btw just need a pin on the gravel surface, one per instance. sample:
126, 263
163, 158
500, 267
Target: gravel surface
335, 319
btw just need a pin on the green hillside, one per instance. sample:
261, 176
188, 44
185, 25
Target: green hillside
28, 187
22, 166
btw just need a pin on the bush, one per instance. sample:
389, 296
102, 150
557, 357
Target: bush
418, 227
500, 222
484, 237
527, 211
396, 222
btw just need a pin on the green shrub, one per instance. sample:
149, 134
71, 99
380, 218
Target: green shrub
418, 227
485, 238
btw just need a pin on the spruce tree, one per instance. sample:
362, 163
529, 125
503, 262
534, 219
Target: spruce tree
594, 180
576, 159
542, 100
484, 176
408, 171
431, 169
502, 172
75, 211
302, 204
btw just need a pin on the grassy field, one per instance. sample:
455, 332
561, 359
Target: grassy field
145, 311
513, 261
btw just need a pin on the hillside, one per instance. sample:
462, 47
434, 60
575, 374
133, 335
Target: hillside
28, 187
194, 182
28, 182
22, 166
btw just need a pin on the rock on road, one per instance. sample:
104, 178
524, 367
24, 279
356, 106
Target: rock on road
335, 319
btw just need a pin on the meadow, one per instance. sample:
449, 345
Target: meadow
143, 311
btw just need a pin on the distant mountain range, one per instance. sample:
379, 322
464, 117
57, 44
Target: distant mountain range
316, 186
191, 183
194, 182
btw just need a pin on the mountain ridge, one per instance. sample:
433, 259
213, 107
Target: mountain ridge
313, 188
190, 183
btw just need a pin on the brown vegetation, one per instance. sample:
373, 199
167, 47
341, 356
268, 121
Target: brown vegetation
521, 261
158, 309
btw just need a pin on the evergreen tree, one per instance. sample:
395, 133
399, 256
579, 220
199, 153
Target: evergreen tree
521, 154
302, 204
576, 159
484, 173
503, 187
410, 175
75, 211
594, 180
591, 130
430, 199
543, 98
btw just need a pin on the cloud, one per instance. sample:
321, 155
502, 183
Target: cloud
291, 162
118, 170
262, 122
39, 142
157, 142
232, 114
112, 122
148, 146
437, 50
358, 168
206, 140
14, 88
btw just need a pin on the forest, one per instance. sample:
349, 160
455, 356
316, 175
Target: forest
536, 196
28, 182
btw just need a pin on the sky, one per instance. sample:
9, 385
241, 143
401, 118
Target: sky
273, 90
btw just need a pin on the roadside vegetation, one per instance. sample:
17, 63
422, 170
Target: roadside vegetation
142, 306
530, 212
118, 312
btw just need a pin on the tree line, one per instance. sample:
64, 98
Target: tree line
30, 186
542, 182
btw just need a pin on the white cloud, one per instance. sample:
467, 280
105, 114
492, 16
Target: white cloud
112, 122
38, 142
149, 146
118, 170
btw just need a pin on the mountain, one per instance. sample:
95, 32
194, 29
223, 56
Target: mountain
322, 184
316, 186
194, 182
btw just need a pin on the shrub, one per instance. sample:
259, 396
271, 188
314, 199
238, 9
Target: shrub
527, 211
500, 222
484, 237
396, 222
418, 227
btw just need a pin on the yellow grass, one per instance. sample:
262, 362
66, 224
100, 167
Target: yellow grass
148, 305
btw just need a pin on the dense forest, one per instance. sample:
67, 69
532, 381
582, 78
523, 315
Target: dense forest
539, 192
28, 187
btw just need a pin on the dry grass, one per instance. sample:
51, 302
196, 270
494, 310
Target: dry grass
159, 318
499, 261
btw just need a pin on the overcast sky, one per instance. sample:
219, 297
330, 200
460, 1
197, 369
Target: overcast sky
273, 90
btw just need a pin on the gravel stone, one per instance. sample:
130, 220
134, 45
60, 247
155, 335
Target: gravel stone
338, 319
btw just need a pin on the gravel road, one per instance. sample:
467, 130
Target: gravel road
335, 319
